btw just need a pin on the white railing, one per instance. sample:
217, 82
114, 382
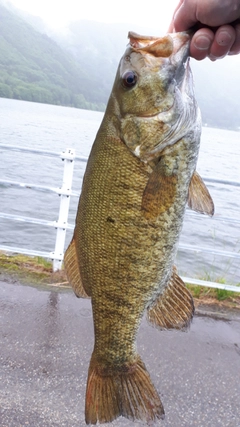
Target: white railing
61, 225
65, 191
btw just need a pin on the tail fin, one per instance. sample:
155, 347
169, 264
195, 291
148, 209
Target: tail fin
128, 392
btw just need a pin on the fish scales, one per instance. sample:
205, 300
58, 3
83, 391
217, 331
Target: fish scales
130, 214
135, 253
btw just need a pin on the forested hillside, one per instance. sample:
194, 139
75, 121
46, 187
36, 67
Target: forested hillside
98, 48
34, 68
77, 67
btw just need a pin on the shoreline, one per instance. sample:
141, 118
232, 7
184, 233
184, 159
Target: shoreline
37, 272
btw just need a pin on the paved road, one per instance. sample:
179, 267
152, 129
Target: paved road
46, 339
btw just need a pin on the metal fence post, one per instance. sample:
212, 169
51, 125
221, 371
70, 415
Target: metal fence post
61, 224
68, 157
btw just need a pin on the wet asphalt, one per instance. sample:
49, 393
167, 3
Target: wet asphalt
46, 339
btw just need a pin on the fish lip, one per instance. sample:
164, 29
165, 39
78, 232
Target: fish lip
187, 70
180, 88
149, 116
181, 47
180, 40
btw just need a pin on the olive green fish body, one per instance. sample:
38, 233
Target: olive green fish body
124, 258
139, 177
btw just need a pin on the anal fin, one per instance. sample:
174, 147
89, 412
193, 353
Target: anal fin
72, 270
199, 198
174, 308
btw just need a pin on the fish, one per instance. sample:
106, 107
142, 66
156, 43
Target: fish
140, 175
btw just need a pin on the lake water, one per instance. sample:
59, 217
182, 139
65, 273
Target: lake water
56, 128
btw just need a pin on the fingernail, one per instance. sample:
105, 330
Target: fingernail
202, 42
213, 58
223, 38
234, 52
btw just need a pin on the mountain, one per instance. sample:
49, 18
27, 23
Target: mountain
77, 66
34, 67
98, 47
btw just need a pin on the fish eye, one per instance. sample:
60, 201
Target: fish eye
129, 79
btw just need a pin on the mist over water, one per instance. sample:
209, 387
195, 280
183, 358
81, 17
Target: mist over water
54, 128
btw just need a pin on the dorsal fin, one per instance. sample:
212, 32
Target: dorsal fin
72, 270
173, 309
199, 198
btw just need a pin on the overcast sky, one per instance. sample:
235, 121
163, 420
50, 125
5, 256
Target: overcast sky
57, 13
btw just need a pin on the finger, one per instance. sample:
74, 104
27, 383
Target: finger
171, 28
185, 16
223, 41
201, 43
235, 49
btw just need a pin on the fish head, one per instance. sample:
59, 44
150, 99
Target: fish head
153, 93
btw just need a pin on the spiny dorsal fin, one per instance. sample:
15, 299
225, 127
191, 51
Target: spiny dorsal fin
72, 270
173, 309
199, 198
159, 193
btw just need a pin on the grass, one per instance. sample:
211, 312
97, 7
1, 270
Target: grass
38, 271
213, 296
201, 292
223, 294
44, 262
30, 270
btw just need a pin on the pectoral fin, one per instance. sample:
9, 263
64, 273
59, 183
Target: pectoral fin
199, 198
72, 270
173, 309
159, 193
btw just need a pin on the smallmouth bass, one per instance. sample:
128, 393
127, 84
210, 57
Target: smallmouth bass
139, 177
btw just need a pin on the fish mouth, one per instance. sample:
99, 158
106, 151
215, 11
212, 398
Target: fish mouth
181, 47
158, 114
166, 46
172, 50
180, 40
176, 118
183, 88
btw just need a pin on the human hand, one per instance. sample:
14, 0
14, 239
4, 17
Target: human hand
216, 24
